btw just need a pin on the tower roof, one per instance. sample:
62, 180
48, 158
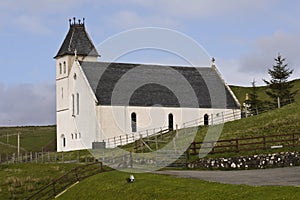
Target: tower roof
77, 38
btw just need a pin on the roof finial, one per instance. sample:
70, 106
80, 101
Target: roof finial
213, 60
83, 21
75, 52
79, 21
74, 18
70, 22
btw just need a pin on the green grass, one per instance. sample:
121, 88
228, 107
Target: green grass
113, 185
33, 138
240, 92
18, 181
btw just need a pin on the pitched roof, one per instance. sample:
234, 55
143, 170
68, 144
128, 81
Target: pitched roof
77, 38
148, 85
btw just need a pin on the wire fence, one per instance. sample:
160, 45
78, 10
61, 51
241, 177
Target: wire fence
47, 157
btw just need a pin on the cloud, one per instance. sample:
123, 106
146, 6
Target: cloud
126, 19
261, 58
203, 8
27, 104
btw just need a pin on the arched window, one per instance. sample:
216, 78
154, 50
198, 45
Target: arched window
72, 136
75, 136
171, 122
65, 67
63, 140
206, 119
133, 122
60, 68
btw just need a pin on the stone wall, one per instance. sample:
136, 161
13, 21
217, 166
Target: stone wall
282, 159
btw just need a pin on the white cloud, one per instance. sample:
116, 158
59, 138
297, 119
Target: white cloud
267, 48
203, 8
130, 19
27, 104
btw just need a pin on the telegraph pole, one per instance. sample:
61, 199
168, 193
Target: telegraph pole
18, 145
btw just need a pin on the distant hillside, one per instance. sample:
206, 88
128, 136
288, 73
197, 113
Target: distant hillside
240, 92
33, 138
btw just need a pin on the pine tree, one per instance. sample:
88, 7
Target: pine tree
253, 101
279, 87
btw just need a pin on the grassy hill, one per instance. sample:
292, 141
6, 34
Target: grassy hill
33, 138
240, 92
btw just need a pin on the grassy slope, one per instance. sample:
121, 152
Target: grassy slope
25, 179
240, 92
33, 138
113, 185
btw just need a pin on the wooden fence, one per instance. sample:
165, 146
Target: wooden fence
56, 187
246, 144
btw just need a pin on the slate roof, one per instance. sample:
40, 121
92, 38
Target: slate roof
77, 38
148, 85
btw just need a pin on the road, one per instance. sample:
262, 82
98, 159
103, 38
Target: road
288, 176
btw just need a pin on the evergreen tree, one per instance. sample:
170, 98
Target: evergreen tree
253, 101
279, 86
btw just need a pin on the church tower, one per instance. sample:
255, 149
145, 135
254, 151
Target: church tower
77, 45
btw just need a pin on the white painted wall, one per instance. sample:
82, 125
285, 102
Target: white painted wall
116, 120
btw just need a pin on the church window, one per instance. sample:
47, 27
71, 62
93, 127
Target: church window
133, 122
60, 69
77, 98
64, 141
62, 93
72, 136
171, 122
206, 119
65, 67
76, 136
73, 105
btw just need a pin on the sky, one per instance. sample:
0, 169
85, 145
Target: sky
243, 36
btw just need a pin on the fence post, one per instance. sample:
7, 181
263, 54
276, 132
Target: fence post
54, 191
293, 139
131, 160
264, 142
237, 145
62, 157
194, 147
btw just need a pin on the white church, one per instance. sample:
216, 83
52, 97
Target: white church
98, 100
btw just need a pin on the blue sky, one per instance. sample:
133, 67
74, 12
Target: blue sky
243, 36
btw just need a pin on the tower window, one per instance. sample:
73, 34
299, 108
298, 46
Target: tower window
77, 98
65, 67
133, 122
62, 93
60, 68
73, 105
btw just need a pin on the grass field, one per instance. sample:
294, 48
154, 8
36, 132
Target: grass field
113, 185
20, 180
33, 138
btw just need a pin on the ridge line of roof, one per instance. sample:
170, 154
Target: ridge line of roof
145, 64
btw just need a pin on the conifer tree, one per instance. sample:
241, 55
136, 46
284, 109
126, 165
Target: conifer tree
279, 87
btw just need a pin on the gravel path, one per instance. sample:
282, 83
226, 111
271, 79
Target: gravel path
288, 176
